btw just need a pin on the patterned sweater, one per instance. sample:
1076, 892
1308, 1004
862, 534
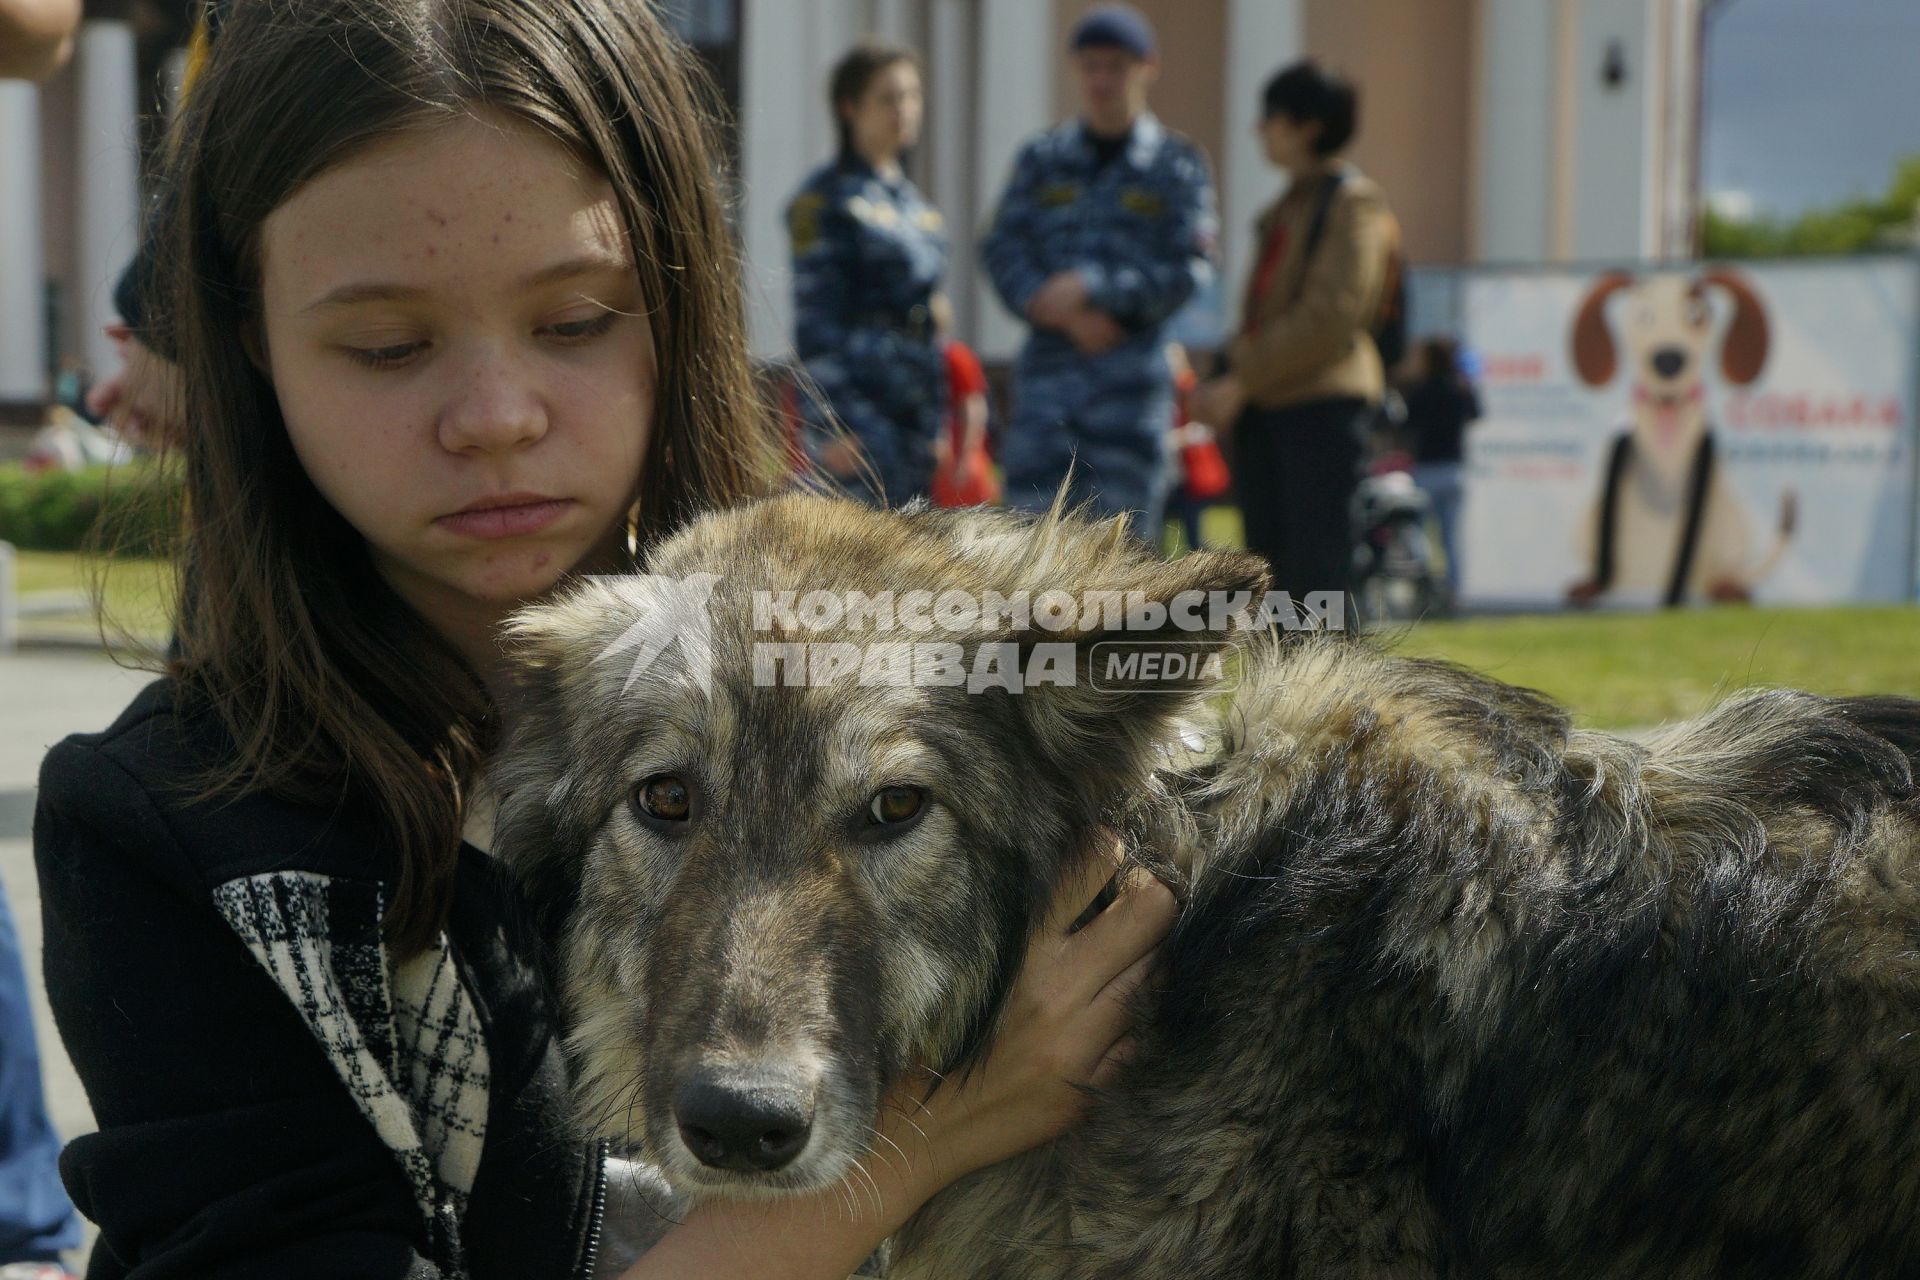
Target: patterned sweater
276, 1097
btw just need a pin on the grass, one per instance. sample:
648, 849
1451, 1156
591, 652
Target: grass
1632, 670
1628, 671
138, 595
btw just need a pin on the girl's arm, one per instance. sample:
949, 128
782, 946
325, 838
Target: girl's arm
228, 1148
1065, 1028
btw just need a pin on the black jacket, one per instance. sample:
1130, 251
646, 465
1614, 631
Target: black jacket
1438, 412
275, 1098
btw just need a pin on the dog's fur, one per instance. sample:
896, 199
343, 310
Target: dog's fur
1666, 329
1456, 990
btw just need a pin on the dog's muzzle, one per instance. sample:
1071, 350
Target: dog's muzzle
750, 1124
1669, 361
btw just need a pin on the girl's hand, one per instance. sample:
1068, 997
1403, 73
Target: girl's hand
1065, 1028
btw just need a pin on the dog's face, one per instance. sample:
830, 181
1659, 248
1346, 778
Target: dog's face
769, 898
1665, 324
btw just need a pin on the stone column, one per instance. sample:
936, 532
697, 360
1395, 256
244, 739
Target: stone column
23, 332
1515, 198
1262, 37
1014, 100
106, 151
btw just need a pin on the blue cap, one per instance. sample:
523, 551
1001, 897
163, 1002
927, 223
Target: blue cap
1114, 26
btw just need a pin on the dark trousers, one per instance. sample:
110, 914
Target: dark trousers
1294, 473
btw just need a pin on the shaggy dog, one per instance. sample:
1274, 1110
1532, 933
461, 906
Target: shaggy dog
1456, 990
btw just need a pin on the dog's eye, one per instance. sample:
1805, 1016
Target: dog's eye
663, 800
894, 805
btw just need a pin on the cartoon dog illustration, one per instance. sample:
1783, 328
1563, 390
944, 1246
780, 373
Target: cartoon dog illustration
1667, 525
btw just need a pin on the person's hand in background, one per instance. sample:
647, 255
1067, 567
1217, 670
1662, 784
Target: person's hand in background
1218, 402
36, 37
143, 400
1055, 303
841, 456
1094, 332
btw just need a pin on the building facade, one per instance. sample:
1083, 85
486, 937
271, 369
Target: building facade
1502, 130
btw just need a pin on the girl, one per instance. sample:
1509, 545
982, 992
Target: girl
456, 317
868, 256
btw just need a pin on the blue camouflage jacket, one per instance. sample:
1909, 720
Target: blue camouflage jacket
1141, 230
868, 256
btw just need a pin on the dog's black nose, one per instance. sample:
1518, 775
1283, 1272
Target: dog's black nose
751, 1128
1669, 361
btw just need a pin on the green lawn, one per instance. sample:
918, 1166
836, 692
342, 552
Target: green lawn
1620, 671
137, 594
1632, 670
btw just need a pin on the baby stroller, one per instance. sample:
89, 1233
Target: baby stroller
1397, 573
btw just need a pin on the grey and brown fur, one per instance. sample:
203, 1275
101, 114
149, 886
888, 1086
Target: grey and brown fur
1456, 990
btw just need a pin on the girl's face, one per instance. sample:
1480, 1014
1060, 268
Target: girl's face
453, 330
886, 119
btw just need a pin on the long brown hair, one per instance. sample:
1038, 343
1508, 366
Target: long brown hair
326, 681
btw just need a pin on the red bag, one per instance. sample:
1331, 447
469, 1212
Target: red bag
1205, 466
965, 481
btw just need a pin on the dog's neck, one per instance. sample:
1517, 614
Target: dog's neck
1667, 428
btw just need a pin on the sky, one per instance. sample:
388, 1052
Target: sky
1808, 102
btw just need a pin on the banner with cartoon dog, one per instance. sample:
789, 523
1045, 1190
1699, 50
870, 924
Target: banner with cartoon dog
1679, 435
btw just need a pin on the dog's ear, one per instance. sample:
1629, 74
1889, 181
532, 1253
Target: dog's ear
1743, 352
1157, 644
1593, 354
571, 662
532, 836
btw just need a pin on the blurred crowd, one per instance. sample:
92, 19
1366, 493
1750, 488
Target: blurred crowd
1105, 230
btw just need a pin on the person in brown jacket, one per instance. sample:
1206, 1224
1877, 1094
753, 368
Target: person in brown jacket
1304, 377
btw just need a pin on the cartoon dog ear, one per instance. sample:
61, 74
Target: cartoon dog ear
1593, 355
1743, 353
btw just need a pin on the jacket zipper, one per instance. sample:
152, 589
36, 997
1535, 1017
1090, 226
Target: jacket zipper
597, 1211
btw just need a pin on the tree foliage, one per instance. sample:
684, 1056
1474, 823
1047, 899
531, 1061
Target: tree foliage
1853, 226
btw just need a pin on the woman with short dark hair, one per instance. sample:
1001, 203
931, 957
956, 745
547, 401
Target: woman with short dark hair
1304, 375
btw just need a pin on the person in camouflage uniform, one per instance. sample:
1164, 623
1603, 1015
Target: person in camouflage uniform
1106, 229
869, 254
